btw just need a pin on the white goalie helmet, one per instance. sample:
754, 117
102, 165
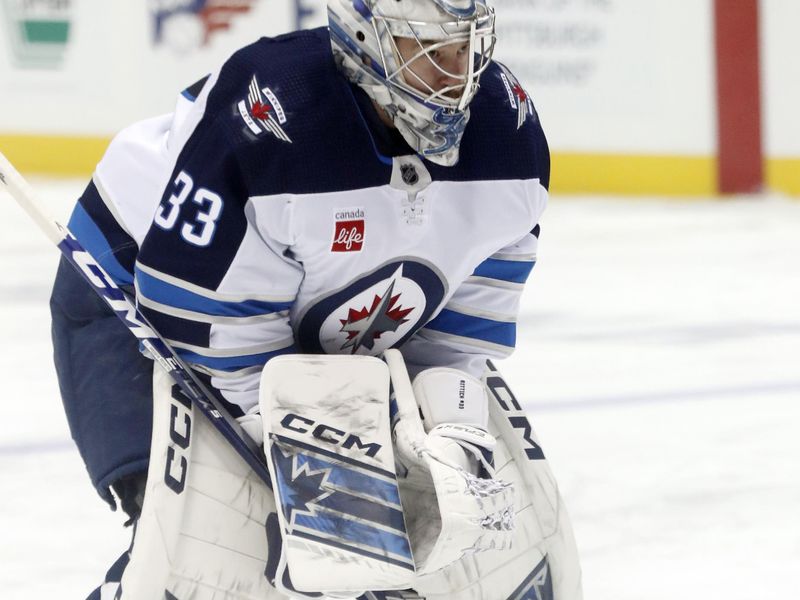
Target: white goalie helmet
430, 111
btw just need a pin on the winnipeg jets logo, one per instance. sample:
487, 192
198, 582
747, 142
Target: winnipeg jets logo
517, 97
262, 112
365, 326
375, 311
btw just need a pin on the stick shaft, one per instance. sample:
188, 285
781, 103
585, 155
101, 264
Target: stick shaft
26, 198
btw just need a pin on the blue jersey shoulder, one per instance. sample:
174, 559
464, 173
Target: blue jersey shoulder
296, 68
504, 138
291, 118
288, 118
502, 92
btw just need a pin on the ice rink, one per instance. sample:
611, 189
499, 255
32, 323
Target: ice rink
659, 357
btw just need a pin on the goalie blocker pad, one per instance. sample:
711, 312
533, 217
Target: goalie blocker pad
329, 449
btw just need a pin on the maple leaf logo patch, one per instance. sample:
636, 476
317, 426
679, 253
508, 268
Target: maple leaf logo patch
376, 310
260, 111
365, 326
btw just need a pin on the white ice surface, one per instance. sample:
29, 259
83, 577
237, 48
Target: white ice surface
658, 355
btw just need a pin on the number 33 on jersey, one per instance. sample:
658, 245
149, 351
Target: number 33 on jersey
199, 230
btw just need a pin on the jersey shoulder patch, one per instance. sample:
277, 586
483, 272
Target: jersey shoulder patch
504, 138
516, 98
279, 91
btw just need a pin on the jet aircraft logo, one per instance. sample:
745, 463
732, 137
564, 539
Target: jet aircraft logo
377, 310
365, 326
517, 97
262, 112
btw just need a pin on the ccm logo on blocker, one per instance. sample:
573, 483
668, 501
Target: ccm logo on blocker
329, 434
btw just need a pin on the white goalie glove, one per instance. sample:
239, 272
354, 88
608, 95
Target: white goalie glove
453, 505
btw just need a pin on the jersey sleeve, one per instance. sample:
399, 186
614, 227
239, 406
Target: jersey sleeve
104, 381
479, 321
209, 282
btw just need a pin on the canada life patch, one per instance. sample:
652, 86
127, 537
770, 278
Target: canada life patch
349, 230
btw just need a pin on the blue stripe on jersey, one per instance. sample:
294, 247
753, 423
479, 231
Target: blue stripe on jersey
232, 363
166, 293
455, 323
193, 91
515, 271
89, 235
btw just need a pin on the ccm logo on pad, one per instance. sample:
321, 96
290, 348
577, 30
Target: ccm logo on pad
348, 235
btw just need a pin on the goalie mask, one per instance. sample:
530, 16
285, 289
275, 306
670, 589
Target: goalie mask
419, 60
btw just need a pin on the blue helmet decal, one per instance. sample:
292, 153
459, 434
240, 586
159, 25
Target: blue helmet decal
457, 8
451, 129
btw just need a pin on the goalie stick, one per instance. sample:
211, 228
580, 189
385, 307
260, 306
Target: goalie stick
136, 323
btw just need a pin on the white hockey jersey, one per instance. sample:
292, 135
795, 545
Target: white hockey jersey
273, 213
